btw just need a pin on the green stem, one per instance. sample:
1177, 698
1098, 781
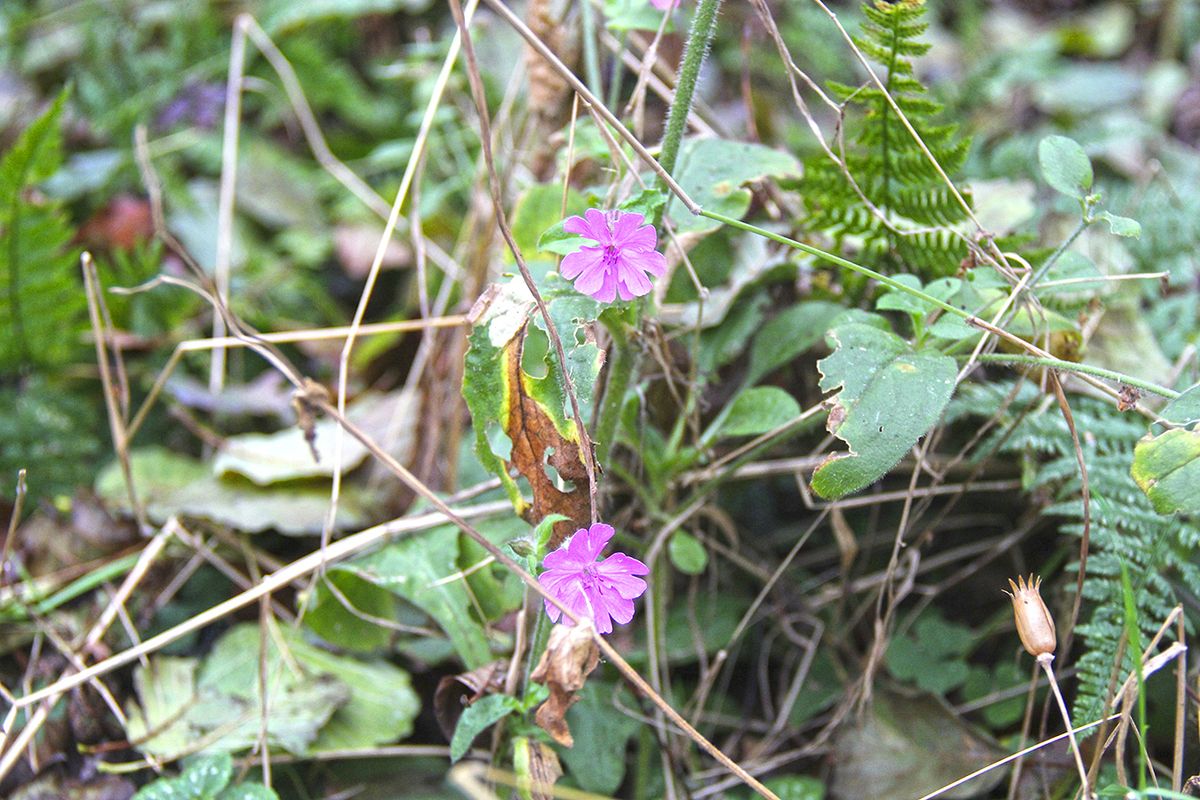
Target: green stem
591, 59
614, 80
541, 634
1085, 369
620, 370
841, 262
700, 36
1062, 248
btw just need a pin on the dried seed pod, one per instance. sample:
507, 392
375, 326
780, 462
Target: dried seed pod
1035, 626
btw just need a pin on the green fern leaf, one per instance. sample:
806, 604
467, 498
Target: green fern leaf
884, 160
42, 306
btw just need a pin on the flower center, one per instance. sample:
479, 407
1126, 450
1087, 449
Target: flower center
611, 252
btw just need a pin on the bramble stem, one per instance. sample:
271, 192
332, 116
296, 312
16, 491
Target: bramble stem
700, 36
1045, 660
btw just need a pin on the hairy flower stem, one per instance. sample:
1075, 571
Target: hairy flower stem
700, 36
1045, 660
620, 370
1085, 369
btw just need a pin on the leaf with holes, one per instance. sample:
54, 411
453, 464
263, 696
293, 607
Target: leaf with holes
1167, 468
516, 392
891, 395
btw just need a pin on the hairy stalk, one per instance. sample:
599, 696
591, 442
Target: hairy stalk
1083, 369
700, 36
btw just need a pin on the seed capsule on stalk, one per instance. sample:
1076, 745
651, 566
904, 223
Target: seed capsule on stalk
1035, 626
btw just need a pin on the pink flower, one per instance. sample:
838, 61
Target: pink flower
663, 5
619, 263
600, 590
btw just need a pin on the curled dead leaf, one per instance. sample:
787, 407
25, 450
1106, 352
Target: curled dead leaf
571, 655
456, 692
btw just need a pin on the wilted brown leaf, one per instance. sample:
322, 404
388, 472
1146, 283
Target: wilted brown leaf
571, 655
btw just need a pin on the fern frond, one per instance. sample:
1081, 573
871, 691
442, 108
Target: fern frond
42, 307
890, 168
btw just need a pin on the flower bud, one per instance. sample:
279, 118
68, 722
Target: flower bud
1035, 626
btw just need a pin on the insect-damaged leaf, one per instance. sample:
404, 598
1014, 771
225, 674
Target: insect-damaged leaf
890, 396
525, 421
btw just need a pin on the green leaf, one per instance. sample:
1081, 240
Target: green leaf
1121, 226
166, 688
983, 682
647, 202
793, 331
285, 455
714, 171
538, 208
329, 618
207, 776
203, 779
687, 553
476, 718
52, 429
796, 787
248, 791
35, 155
1065, 166
1167, 468
891, 395
757, 410
897, 300
601, 730
380, 706
633, 15
933, 656
172, 484
415, 569
1185, 409
285, 16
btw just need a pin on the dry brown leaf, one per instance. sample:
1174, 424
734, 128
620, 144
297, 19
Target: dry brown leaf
571, 655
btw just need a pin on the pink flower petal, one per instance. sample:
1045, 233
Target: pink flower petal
598, 537
650, 261
580, 261
635, 280
626, 225
622, 260
619, 608
601, 591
